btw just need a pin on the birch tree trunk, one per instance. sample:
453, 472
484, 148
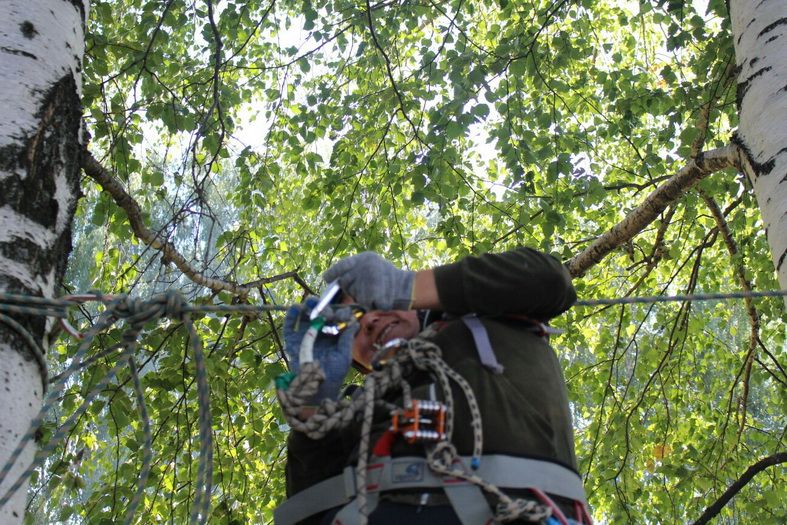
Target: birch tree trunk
759, 29
41, 48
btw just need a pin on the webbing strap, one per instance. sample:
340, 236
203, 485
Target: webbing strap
469, 504
324, 495
390, 474
482, 343
350, 513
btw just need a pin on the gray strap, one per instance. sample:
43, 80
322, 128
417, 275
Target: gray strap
506, 472
350, 514
469, 504
482, 344
324, 495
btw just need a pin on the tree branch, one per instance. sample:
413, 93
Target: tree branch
754, 317
655, 203
388, 69
713, 510
157, 240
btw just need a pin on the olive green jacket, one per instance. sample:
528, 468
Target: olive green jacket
524, 410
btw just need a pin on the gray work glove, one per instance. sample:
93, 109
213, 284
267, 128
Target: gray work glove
373, 282
333, 352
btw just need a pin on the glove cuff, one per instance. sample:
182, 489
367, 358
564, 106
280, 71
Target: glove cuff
404, 296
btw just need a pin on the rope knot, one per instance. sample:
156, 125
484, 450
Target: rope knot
131, 309
174, 306
442, 457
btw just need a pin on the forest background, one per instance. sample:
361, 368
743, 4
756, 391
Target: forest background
235, 149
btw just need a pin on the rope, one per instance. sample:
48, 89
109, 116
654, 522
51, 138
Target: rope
32, 344
147, 451
199, 511
441, 459
50, 399
363, 449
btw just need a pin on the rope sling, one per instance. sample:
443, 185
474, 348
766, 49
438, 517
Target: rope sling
442, 458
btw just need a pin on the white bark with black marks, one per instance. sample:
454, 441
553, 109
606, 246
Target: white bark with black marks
41, 49
759, 30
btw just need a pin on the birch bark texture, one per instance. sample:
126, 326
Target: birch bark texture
759, 29
41, 50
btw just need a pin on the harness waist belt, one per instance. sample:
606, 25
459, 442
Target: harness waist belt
506, 472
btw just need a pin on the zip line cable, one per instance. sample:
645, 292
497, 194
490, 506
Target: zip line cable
135, 313
681, 298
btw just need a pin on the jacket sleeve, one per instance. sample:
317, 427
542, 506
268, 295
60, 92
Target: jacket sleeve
523, 281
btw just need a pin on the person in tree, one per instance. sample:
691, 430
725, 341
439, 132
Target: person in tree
488, 316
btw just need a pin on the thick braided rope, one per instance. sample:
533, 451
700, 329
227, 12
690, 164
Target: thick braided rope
442, 458
135, 313
62, 432
426, 355
201, 507
363, 449
330, 414
423, 355
472, 403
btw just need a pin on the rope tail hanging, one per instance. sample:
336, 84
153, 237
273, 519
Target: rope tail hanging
135, 313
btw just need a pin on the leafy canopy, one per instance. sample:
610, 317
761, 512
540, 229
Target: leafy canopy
268, 139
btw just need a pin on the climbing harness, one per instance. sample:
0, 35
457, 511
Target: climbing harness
464, 480
484, 347
462, 486
482, 344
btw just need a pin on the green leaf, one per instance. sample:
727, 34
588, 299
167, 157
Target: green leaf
453, 129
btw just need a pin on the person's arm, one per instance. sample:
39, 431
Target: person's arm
523, 281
